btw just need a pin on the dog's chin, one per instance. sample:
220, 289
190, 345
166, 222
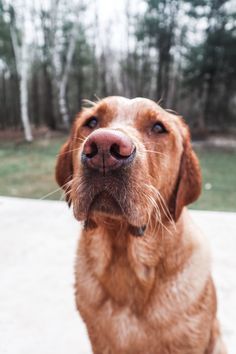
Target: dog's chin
101, 204
112, 196
105, 204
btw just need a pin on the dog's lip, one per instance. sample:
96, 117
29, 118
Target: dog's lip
119, 186
134, 230
106, 203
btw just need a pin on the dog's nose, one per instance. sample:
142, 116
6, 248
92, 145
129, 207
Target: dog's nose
106, 150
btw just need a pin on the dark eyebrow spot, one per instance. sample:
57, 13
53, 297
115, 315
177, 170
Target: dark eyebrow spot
102, 108
151, 114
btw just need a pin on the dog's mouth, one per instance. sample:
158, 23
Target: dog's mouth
111, 196
105, 203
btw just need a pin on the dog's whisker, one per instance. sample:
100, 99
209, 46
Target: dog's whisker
89, 103
156, 144
50, 193
157, 209
156, 152
54, 191
84, 137
80, 139
67, 152
162, 204
166, 209
160, 218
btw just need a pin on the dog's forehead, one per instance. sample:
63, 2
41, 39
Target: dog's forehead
125, 110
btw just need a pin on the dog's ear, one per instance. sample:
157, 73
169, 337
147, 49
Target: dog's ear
64, 169
189, 181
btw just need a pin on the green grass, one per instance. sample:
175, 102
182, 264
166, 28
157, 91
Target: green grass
219, 180
27, 170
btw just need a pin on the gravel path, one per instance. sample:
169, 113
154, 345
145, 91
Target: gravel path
37, 248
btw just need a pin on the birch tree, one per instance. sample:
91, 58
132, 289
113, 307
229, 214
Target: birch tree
59, 45
21, 53
65, 74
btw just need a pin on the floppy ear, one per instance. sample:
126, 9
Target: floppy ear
64, 169
189, 182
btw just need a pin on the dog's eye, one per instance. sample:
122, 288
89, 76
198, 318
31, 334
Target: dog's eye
158, 128
91, 123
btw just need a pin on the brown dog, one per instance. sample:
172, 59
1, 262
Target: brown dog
143, 281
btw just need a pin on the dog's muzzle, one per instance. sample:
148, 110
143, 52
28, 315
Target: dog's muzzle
106, 150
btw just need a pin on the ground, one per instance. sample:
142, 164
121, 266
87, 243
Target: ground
27, 170
37, 250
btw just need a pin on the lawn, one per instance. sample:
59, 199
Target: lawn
27, 170
219, 180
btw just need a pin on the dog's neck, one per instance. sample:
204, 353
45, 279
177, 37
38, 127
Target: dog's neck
127, 266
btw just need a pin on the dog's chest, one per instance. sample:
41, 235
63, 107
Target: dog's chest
119, 281
123, 273
131, 305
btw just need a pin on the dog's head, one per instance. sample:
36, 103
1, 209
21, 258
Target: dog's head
128, 159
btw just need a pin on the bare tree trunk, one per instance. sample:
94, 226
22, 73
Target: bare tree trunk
3, 101
63, 83
21, 58
60, 73
103, 74
35, 100
63, 104
24, 93
48, 111
159, 82
95, 45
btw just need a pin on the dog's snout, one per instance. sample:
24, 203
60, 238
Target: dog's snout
107, 149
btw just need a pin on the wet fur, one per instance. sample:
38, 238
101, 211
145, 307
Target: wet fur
151, 294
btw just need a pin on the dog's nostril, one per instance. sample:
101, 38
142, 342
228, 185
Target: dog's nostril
93, 150
115, 152
122, 152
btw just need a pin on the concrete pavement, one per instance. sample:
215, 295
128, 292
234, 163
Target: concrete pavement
37, 249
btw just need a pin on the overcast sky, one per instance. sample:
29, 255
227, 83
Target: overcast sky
112, 19
112, 12
109, 12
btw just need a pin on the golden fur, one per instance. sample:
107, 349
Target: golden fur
151, 294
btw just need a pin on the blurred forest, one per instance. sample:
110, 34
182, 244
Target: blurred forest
179, 52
